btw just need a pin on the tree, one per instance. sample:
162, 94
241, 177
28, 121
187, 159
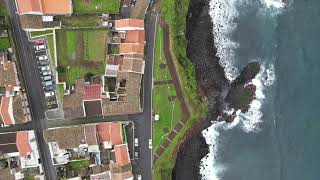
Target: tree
61, 69
88, 76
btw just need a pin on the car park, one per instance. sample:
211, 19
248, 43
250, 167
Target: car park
44, 68
49, 93
49, 88
40, 47
43, 57
47, 83
46, 78
39, 41
136, 142
150, 144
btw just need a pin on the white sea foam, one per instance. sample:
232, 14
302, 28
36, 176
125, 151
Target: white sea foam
223, 14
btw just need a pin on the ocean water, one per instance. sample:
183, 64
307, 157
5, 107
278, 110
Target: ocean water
279, 138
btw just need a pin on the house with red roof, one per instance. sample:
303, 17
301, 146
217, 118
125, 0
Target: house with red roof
129, 24
109, 134
44, 7
122, 154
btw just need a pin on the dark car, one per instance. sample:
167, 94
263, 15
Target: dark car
43, 63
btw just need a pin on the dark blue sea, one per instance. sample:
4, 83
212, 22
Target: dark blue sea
279, 138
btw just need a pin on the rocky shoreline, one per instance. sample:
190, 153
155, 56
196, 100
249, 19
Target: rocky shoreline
212, 81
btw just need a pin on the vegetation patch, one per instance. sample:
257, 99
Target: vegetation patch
77, 165
4, 43
161, 71
80, 52
80, 21
40, 33
3, 9
167, 105
96, 6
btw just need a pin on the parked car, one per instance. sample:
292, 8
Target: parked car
41, 58
48, 88
150, 144
136, 155
139, 177
47, 83
40, 47
46, 73
43, 63
39, 41
46, 78
44, 68
136, 142
49, 93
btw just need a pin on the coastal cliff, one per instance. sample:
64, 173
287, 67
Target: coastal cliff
212, 81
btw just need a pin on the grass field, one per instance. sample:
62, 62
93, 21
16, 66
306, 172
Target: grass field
4, 43
77, 165
39, 33
160, 73
169, 111
96, 6
82, 51
80, 21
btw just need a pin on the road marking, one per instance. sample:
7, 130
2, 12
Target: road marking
169, 139
156, 155
181, 122
175, 131
162, 146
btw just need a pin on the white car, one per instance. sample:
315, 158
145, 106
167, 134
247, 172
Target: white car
136, 142
139, 177
44, 68
46, 73
40, 47
41, 58
49, 94
150, 144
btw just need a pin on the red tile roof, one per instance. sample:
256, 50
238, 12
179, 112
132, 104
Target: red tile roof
22, 142
44, 6
29, 6
4, 111
110, 132
121, 154
127, 48
135, 36
92, 92
129, 24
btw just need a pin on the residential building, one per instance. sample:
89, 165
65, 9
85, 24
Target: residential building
19, 155
102, 145
129, 24
14, 107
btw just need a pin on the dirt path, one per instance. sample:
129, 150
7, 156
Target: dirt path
162, 82
176, 82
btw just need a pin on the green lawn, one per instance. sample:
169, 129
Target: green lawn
96, 6
160, 73
80, 21
3, 9
77, 165
39, 33
4, 43
169, 111
82, 51
51, 48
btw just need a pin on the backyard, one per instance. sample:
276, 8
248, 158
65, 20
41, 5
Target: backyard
96, 6
80, 52
167, 105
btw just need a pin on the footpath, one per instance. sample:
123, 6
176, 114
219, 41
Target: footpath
176, 82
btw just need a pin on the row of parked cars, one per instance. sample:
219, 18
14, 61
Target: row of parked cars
44, 68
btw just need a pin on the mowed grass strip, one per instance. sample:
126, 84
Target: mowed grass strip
81, 52
169, 111
160, 73
40, 33
96, 6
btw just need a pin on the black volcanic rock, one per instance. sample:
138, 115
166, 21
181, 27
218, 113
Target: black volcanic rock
242, 93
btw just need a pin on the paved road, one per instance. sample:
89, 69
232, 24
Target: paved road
28, 65
143, 121
31, 76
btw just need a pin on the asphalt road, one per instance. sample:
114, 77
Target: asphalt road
31, 77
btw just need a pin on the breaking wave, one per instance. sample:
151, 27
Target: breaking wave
223, 14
